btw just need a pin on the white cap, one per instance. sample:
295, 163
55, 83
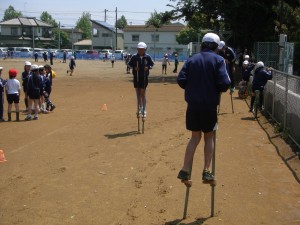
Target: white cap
1, 68
260, 64
142, 45
41, 67
34, 67
221, 45
27, 63
72, 57
246, 62
211, 37
247, 57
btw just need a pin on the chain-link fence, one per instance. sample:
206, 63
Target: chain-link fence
281, 101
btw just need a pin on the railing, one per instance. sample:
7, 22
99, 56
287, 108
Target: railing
282, 103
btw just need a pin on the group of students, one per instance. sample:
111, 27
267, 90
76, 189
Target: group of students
260, 76
37, 87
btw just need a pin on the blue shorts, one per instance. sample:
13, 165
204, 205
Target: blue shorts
199, 120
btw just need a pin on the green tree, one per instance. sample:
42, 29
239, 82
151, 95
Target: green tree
11, 13
47, 18
249, 21
186, 36
121, 23
84, 24
156, 20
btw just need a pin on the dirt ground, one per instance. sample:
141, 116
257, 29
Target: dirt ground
84, 166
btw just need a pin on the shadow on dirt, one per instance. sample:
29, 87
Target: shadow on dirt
250, 118
165, 79
198, 221
119, 135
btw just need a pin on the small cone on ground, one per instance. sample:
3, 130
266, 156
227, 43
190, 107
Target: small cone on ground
2, 157
104, 107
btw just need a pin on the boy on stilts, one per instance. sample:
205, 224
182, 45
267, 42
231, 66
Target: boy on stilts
203, 77
141, 63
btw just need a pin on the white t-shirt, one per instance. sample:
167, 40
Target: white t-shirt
13, 86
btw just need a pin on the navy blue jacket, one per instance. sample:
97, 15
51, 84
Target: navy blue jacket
142, 62
261, 77
204, 76
247, 72
35, 82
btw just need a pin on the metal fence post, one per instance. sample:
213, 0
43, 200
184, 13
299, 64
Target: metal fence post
285, 101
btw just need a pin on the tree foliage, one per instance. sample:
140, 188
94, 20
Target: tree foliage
121, 23
11, 13
156, 20
84, 24
249, 21
47, 18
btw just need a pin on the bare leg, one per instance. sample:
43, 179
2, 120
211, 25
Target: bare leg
208, 149
190, 150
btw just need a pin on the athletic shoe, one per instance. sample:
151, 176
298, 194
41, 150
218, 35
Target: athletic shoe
52, 107
183, 175
207, 176
144, 115
139, 112
35, 117
28, 117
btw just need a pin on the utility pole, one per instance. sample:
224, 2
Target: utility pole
105, 10
116, 29
59, 35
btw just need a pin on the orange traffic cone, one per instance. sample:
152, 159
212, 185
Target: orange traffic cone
104, 107
2, 157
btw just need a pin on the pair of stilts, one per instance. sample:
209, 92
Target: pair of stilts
213, 182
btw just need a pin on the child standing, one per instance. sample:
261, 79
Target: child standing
165, 60
2, 85
141, 63
72, 65
25, 76
50, 74
34, 91
13, 88
176, 62
112, 59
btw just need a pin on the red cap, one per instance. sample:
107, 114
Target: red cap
13, 72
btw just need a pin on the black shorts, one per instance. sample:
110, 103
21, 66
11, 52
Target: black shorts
142, 83
199, 120
13, 98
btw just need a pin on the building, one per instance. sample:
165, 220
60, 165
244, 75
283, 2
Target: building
104, 36
25, 31
74, 36
159, 40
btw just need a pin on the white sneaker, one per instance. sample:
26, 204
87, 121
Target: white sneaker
144, 115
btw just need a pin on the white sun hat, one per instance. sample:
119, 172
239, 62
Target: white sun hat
142, 45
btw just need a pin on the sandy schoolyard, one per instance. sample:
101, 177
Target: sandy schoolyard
80, 165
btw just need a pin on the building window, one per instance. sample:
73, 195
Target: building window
155, 38
106, 35
95, 33
14, 31
135, 37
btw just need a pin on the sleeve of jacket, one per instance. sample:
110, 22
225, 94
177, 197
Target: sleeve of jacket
222, 80
183, 76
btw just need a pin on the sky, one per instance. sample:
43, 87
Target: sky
67, 12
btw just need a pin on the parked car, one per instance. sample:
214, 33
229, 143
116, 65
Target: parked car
103, 52
119, 54
26, 52
3, 52
14, 51
92, 54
